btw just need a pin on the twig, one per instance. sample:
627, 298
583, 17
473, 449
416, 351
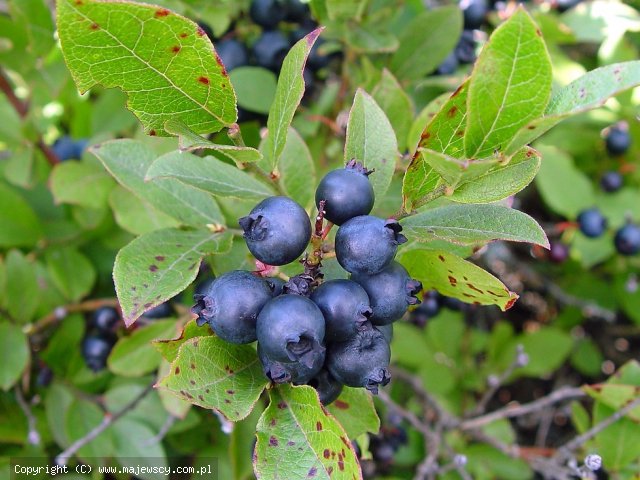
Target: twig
107, 421
61, 312
590, 309
404, 413
166, 426
567, 449
33, 436
563, 394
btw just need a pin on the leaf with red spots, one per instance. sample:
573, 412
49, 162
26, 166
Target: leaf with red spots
289, 93
355, 411
156, 56
143, 282
298, 438
455, 277
169, 348
218, 375
474, 225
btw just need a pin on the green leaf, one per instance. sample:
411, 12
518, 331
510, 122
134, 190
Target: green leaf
397, 106
20, 225
63, 354
71, 272
14, 354
370, 38
163, 61
547, 348
289, 93
619, 443
455, 171
190, 141
136, 215
81, 183
426, 41
156, 266
510, 86
355, 412
474, 224
57, 403
244, 81
169, 348
208, 174
454, 277
556, 172
586, 93
501, 181
135, 448
134, 356
371, 140
298, 436
128, 161
297, 170
82, 417
215, 374
35, 16
423, 119
21, 291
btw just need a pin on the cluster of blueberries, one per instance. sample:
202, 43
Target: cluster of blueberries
324, 334
66, 148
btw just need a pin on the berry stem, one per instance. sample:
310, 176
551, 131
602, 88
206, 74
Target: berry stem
59, 313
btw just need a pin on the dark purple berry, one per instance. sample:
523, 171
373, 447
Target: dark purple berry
105, 319
296, 11
96, 349
345, 307
367, 244
270, 49
231, 305
66, 148
362, 361
277, 230
465, 50
474, 12
429, 308
285, 372
164, 310
390, 293
592, 223
611, 181
627, 239
558, 252
232, 53
347, 193
267, 13
454, 304
618, 140
449, 65
328, 388
290, 328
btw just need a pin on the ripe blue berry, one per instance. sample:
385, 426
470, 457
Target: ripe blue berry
267, 13
558, 252
232, 53
285, 372
270, 49
611, 181
66, 148
386, 331
105, 319
592, 223
231, 305
328, 388
347, 193
362, 361
390, 293
367, 244
474, 12
345, 307
277, 230
95, 350
290, 328
297, 11
618, 140
627, 239
465, 50
429, 308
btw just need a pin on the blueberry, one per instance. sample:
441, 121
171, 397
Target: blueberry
345, 307
627, 239
367, 244
465, 50
449, 65
270, 49
164, 310
347, 193
284, 372
277, 230
276, 284
362, 361
296, 11
611, 181
328, 388
592, 223
96, 349
267, 13
386, 331
429, 308
618, 140
65, 148
104, 319
232, 53
474, 12
454, 304
290, 328
558, 252
80, 147
231, 305
390, 293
